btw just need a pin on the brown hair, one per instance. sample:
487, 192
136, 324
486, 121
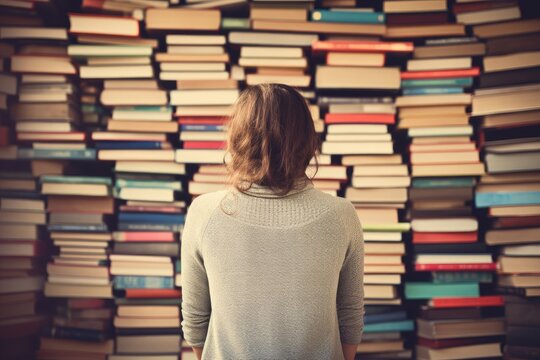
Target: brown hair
271, 138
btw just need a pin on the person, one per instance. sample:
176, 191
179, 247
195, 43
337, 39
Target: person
272, 268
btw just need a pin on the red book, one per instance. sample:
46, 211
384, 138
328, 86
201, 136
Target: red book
86, 303
437, 74
202, 120
144, 236
4, 136
359, 118
204, 145
446, 343
443, 238
480, 301
362, 46
516, 221
153, 293
456, 267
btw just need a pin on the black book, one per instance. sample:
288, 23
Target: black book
454, 193
528, 336
525, 314
428, 313
513, 44
149, 331
510, 77
522, 352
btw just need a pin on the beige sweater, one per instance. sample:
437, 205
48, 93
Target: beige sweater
272, 277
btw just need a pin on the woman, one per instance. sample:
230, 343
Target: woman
272, 269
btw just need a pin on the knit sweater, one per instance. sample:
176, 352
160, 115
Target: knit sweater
272, 277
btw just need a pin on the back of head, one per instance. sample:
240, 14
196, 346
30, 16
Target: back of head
271, 138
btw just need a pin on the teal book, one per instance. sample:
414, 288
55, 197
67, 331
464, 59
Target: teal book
391, 326
149, 184
355, 17
235, 23
75, 179
443, 182
66, 154
433, 91
448, 277
429, 290
143, 108
488, 199
451, 82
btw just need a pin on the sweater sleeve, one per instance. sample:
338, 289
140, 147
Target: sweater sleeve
196, 307
350, 295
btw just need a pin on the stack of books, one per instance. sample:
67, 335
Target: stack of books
80, 209
358, 134
507, 107
451, 265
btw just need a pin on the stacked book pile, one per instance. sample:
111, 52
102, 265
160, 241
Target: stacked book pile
451, 264
506, 103
23, 240
358, 123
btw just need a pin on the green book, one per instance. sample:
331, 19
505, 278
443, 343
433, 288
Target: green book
235, 23
149, 184
448, 277
444, 182
429, 290
402, 325
461, 82
75, 179
399, 227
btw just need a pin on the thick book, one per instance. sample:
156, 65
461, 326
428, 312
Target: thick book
427, 290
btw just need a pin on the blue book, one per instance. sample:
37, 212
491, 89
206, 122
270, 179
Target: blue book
114, 145
487, 199
68, 154
356, 17
151, 218
202, 127
143, 282
432, 91
451, 82
78, 227
443, 182
429, 290
385, 317
149, 227
392, 326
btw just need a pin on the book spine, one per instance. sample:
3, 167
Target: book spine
348, 17
432, 91
378, 318
62, 332
149, 184
143, 282
456, 267
78, 227
152, 218
360, 118
404, 325
483, 200
123, 226
195, 127
454, 82
458, 276
126, 145
228, 23
73, 154
475, 71
468, 302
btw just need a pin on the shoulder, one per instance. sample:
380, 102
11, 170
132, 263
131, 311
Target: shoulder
206, 204
338, 204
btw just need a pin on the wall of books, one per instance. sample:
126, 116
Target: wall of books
113, 117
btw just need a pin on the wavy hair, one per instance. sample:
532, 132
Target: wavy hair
271, 139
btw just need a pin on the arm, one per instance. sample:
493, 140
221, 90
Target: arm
196, 307
350, 296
